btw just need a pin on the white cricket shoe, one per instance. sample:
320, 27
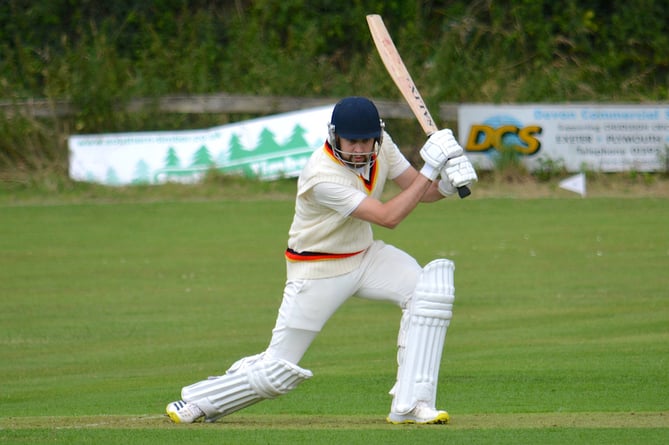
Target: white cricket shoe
421, 414
183, 412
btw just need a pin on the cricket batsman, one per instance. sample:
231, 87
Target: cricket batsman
332, 256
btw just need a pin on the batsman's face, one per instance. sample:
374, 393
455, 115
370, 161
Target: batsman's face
356, 151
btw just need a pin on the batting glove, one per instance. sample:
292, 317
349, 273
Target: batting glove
445, 187
459, 171
439, 148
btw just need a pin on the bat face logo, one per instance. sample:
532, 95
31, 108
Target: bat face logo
421, 104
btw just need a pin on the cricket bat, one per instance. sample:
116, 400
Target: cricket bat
398, 72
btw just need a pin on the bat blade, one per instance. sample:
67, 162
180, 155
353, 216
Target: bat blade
400, 74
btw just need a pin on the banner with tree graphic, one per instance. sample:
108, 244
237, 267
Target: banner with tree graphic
266, 148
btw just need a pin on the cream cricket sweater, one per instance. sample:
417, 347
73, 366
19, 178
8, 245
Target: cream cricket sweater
323, 243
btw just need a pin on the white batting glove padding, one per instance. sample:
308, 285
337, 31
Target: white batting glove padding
439, 148
459, 171
445, 187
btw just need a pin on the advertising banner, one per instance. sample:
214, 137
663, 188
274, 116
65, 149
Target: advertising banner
265, 148
606, 138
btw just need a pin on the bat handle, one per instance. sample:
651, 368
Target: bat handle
464, 191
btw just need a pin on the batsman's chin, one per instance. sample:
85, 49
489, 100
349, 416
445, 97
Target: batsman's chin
359, 161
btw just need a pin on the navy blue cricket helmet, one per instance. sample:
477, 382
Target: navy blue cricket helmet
355, 118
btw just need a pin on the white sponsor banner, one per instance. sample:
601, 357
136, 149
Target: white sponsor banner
266, 148
606, 138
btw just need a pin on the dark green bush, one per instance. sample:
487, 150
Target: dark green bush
99, 55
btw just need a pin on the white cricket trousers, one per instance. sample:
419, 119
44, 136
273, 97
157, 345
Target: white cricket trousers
386, 274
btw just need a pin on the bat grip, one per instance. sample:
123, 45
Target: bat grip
464, 191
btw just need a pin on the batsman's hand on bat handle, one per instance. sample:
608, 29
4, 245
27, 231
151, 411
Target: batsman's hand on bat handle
457, 174
438, 149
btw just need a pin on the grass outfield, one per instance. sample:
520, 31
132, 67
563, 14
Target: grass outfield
560, 331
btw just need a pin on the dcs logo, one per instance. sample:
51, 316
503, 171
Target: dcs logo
504, 133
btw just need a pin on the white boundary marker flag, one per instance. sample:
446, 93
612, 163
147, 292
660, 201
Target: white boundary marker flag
574, 184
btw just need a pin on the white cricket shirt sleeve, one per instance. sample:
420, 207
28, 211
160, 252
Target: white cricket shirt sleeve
342, 199
397, 162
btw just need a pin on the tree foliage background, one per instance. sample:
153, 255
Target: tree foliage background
100, 54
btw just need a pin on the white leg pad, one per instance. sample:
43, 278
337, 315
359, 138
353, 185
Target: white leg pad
248, 381
422, 337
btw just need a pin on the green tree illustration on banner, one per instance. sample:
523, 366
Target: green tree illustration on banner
202, 158
112, 177
142, 173
236, 148
297, 138
266, 143
172, 160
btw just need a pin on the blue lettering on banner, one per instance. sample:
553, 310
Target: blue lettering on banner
621, 115
547, 115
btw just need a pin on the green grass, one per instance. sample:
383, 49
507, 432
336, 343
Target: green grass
560, 331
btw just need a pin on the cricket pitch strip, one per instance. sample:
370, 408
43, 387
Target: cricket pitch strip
332, 422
